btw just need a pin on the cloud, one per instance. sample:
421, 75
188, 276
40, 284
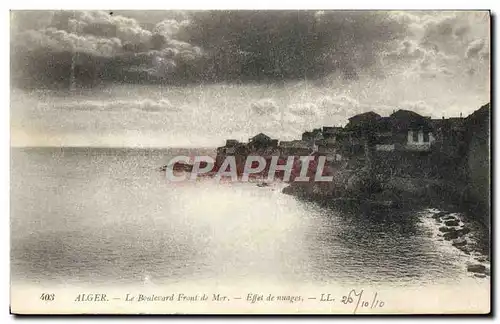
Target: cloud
477, 48
304, 109
419, 107
170, 27
241, 46
407, 51
436, 64
202, 46
162, 105
338, 104
411, 57
264, 107
144, 105
56, 40
444, 32
102, 47
452, 31
441, 44
277, 45
101, 24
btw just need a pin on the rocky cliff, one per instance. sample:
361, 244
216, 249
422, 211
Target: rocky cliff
436, 183
477, 160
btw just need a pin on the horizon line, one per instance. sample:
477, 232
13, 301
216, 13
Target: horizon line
112, 147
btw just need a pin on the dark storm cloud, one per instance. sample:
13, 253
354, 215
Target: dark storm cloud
260, 45
102, 47
207, 46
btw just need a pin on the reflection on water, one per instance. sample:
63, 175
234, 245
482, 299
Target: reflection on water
92, 216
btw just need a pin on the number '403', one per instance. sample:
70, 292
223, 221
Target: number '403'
47, 297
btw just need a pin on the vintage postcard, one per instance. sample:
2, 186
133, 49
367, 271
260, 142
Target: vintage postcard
250, 162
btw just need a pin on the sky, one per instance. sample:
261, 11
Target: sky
194, 79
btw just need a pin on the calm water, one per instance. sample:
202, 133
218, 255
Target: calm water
107, 215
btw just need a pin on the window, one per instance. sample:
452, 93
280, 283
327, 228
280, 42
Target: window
415, 136
426, 137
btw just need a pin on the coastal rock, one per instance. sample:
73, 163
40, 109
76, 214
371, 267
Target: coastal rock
464, 249
481, 259
449, 218
459, 242
480, 275
439, 215
463, 231
451, 235
477, 268
451, 223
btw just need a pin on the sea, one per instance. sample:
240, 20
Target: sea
94, 216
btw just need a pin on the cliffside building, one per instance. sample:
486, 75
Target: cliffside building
295, 148
406, 131
261, 142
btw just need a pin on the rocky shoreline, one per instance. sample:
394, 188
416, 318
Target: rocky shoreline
462, 231
453, 227
396, 191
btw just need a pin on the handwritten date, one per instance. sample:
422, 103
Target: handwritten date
358, 299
